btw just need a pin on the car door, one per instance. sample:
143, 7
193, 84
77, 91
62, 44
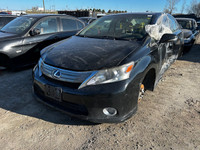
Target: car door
49, 32
175, 45
168, 52
69, 27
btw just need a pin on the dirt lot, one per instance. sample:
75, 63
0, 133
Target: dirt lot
168, 118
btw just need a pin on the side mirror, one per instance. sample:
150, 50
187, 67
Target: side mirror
34, 32
168, 38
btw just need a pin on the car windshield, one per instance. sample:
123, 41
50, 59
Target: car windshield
186, 24
18, 25
118, 27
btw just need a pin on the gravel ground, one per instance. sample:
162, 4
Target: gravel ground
168, 118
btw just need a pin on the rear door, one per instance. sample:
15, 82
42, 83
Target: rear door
169, 51
175, 46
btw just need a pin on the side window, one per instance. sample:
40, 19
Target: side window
80, 25
173, 24
48, 25
68, 24
195, 25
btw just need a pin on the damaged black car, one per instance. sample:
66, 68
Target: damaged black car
101, 73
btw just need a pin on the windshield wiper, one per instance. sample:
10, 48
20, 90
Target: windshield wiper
107, 37
85, 36
125, 39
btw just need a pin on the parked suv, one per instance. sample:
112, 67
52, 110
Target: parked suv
100, 74
22, 39
4, 19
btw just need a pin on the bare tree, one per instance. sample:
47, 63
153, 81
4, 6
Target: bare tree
183, 6
34, 9
194, 8
171, 6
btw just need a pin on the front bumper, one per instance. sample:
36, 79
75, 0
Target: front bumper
88, 103
188, 42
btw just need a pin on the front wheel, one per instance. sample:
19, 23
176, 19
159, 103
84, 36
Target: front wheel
141, 92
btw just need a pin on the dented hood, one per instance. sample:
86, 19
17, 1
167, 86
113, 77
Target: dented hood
85, 54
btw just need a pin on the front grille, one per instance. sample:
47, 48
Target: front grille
63, 83
65, 75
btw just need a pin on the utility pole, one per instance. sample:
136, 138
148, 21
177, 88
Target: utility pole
43, 6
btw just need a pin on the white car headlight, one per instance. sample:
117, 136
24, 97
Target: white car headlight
109, 75
39, 67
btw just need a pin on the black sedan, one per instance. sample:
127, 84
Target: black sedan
100, 74
22, 39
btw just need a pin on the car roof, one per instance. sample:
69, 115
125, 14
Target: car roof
188, 19
155, 15
138, 13
87, 18
45, 15
7, 15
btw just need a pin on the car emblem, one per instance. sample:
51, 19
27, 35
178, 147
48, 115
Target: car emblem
56, 74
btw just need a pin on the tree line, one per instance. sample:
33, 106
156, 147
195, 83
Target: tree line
193, 8
109, 11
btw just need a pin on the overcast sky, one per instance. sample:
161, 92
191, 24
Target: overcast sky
129, 5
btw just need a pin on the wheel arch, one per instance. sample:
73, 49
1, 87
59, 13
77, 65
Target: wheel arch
4, 59
149, 79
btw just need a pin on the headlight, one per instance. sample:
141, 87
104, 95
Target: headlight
39, 67
109, 75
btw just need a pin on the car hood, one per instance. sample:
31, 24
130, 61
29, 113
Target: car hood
86, 54
187, 33
4, 36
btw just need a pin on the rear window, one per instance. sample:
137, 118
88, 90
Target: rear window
68, 24
71, 24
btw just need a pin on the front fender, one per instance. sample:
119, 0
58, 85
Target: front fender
142, 67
